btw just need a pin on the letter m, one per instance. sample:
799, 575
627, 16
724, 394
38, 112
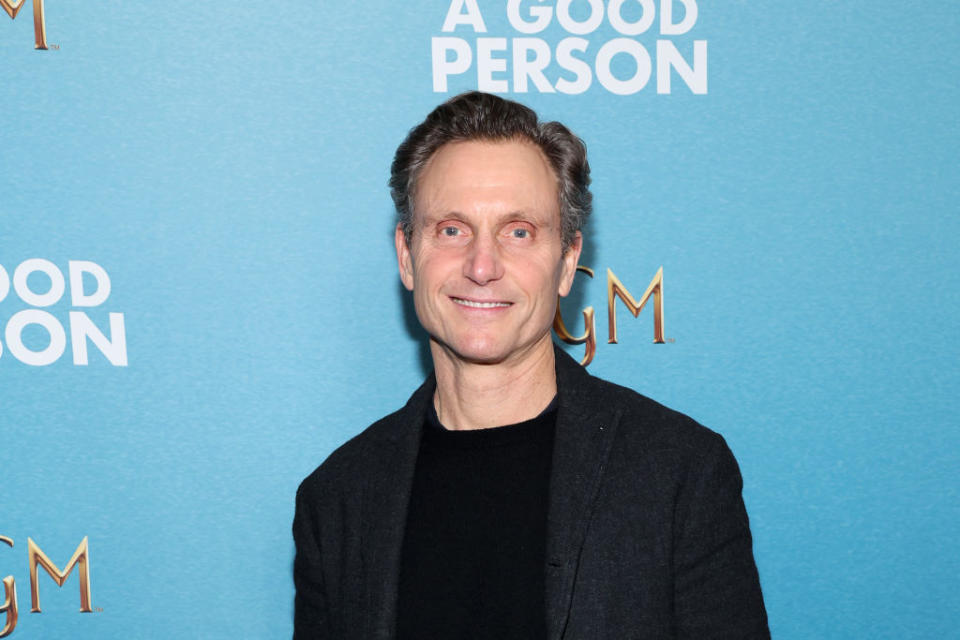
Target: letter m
81, 557
12, 7
615, 289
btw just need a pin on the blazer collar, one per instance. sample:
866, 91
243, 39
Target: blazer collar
385, 498
584, 432
586, 423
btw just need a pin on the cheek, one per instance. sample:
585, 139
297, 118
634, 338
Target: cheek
543, 281
432, 270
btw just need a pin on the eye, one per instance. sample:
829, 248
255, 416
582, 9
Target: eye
520, 231
450, 232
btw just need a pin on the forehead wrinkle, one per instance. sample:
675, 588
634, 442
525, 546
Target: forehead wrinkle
428, 203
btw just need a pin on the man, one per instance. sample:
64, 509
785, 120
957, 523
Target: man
515, 495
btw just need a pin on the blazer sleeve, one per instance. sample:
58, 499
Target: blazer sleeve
311, 617
716, 586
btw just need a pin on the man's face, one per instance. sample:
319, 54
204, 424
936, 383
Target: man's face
485, 261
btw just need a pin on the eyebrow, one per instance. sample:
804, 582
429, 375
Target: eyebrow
519, 214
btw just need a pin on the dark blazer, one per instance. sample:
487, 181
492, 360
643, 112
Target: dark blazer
647, 532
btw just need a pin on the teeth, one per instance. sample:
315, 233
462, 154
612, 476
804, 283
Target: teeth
481, 305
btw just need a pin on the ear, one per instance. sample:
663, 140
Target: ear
571, 258
404, 261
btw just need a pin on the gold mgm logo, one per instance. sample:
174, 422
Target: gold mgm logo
39, 25
615, 289
37, 559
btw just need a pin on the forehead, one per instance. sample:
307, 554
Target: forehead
476, 174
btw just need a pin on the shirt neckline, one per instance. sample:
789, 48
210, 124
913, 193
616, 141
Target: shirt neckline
538, 427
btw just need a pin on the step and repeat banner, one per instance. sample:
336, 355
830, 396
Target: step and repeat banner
199, 298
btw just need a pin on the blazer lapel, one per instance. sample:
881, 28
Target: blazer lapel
584, 433
385, 499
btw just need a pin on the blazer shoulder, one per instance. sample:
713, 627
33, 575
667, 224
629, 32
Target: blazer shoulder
360, 455
350, 461
658, 426
643, 422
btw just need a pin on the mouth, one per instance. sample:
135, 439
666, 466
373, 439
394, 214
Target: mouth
477, 304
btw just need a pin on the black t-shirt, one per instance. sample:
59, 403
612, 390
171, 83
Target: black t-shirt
473, 552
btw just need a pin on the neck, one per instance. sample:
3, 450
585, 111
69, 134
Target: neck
479, 396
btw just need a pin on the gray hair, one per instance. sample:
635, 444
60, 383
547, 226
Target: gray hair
482, 116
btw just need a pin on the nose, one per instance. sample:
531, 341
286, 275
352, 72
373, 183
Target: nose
483, 263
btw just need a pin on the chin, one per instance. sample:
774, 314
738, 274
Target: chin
482, 355
479, 350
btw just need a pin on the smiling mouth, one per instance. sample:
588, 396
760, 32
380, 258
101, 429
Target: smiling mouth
476, 304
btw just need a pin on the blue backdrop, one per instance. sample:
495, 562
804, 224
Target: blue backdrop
225, 165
